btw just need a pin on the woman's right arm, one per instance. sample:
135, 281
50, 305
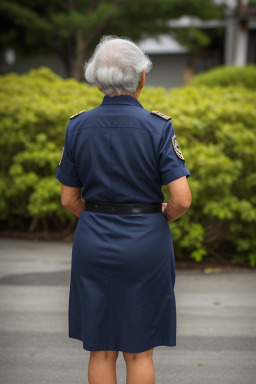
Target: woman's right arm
180, 199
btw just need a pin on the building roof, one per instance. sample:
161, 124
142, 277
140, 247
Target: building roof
162, 45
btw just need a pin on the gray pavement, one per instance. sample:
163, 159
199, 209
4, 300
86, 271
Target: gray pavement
216, 323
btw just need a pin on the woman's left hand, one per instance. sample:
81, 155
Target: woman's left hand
163, 207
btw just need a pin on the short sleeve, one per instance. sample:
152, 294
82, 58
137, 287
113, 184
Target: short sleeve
66, 172
171, 164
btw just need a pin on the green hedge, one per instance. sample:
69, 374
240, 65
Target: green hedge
227, 76
216, 131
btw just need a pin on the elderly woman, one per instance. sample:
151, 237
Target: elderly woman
118, 156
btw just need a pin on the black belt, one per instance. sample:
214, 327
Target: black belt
98, 206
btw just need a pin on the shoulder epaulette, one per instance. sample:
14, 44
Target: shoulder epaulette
161, 115
78, 113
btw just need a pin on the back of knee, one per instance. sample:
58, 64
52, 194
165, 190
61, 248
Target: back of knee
106, 355
132, 356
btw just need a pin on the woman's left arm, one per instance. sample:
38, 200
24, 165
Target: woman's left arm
71, 199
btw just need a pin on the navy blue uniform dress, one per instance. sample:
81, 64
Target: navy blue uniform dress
123, 269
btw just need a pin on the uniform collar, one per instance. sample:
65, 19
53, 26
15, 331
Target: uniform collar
121, 100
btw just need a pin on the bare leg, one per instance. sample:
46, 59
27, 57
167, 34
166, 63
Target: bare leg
102, 367
140, 367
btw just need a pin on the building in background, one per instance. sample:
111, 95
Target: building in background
170, 60
174, 64
240, 34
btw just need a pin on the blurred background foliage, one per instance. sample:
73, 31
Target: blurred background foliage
215, 123
227, 76
72, 29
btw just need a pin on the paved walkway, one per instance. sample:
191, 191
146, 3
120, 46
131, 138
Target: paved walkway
216, 332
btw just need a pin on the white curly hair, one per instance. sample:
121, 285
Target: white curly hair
116, 65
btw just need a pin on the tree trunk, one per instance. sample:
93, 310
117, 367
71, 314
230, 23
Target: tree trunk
75, 51
80, 53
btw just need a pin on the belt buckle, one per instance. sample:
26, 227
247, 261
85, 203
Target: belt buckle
136, 210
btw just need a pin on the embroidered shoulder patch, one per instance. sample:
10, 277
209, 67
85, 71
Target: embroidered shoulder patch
78, 113
161, 115
177, 148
